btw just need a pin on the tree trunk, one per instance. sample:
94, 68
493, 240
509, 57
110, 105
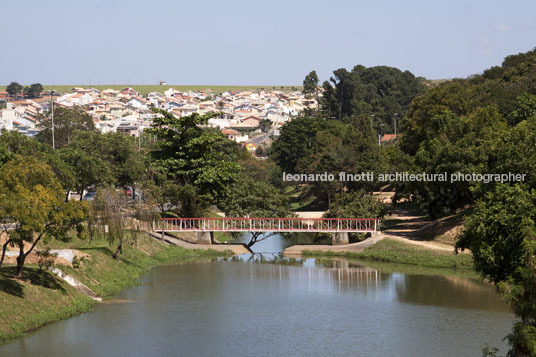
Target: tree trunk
118, 250
253, 239
20, 260
432, 211
4, 248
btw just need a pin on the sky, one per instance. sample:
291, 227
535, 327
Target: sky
237, 42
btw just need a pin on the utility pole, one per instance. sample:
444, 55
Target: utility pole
52, 121
395, 116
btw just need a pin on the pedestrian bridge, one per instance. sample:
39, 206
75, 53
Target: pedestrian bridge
339, 227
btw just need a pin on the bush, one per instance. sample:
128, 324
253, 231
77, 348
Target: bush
45, 258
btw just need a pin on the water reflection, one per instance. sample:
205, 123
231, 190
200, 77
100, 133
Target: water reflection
340, 274
266, 304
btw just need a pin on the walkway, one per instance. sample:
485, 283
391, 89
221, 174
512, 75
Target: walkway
404, 228
235, 248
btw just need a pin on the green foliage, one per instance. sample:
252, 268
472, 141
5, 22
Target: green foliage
310, 85
526, 109
32, 198
13, 89
45, 258
252, 198
501, 234
195, 155
98, 159
67, 121
357, 204
33, 91
295, 142
380, 91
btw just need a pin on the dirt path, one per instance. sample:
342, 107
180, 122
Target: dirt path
235, 248
404, 227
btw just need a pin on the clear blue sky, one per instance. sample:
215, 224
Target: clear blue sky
274, 42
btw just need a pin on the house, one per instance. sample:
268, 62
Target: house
234, 135
137, 103
388, 138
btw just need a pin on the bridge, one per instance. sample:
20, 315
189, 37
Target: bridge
203, 227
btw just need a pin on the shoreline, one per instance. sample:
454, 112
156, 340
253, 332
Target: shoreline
42, 298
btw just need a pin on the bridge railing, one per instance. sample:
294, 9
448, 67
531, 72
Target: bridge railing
228, 224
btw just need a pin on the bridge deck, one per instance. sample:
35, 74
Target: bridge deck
267, 225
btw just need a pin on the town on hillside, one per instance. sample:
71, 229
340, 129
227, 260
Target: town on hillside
245, 115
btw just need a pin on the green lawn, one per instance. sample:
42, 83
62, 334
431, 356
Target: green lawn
389, 250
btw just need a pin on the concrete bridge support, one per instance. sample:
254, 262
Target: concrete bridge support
339, 238
204, 237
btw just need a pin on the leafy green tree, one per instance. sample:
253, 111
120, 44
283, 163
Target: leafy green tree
251, 198
357, 204
31, 199
195, 155
87, 168
455, 144
501, 234
526, 109
13, 89
100, 159
67, 121
310, 85
295, 142
33, 91
265, 125
108, 217
380, 91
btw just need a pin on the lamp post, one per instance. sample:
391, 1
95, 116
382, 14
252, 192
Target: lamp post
395, 115
50, 92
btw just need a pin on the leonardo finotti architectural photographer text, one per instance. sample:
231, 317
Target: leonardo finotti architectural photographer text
406, 177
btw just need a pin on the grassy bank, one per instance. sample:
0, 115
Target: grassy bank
388, 250
41, 298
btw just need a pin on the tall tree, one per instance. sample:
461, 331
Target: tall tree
501, 234
195, 155
31, 199
380, 91
310, 85
251, 198
13, 89
67, 121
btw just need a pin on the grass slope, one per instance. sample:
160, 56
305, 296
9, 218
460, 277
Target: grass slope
40, 297
389, 250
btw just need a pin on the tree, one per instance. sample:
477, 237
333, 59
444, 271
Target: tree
380, 91
13, 89
295, 142
88, 170
501, 234
162, 191
98, 159
108, 216
31, 200
265, 125
251, 198
357, 204
67, 121
310, 85
195, 155
33, 91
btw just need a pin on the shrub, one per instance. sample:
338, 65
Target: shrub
45, 258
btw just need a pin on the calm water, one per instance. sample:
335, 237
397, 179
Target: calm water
257, 306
